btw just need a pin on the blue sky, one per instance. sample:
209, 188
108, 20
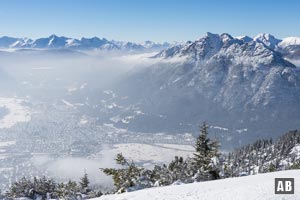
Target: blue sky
139, 20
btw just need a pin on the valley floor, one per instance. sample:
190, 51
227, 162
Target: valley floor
256, 187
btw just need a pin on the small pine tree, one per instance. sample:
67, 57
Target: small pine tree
162, 175
202, 147
126, 177
272, 168
84, 183
226, 171
179, 170
295, 165
206, 150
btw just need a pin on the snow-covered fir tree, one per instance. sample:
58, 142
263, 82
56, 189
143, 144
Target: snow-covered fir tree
206, 156
84, 183
127, 177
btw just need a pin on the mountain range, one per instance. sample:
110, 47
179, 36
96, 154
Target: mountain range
240, 83
247, 88
289, 47
57, 42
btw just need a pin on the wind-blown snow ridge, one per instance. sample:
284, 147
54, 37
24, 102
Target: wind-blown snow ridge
255, 187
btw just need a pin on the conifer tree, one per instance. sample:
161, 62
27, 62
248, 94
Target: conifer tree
127, 176
206, 150
84, 182
202, 147
272, 168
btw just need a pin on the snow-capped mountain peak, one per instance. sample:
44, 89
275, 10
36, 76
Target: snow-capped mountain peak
204, 47
223, 45
267, 39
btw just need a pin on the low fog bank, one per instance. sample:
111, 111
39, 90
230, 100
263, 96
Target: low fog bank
60, 69
48, 76
73, 168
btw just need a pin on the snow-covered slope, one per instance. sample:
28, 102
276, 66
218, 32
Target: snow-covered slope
256, 187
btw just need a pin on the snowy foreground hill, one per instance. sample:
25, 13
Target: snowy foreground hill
256, 187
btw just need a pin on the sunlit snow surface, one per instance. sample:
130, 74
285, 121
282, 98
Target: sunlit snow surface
256, 187
16, 112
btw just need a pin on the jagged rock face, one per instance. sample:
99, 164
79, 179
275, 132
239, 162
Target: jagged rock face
223, 80
233, 72
267, 39
289, 47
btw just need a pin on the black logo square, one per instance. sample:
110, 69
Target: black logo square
284, 186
